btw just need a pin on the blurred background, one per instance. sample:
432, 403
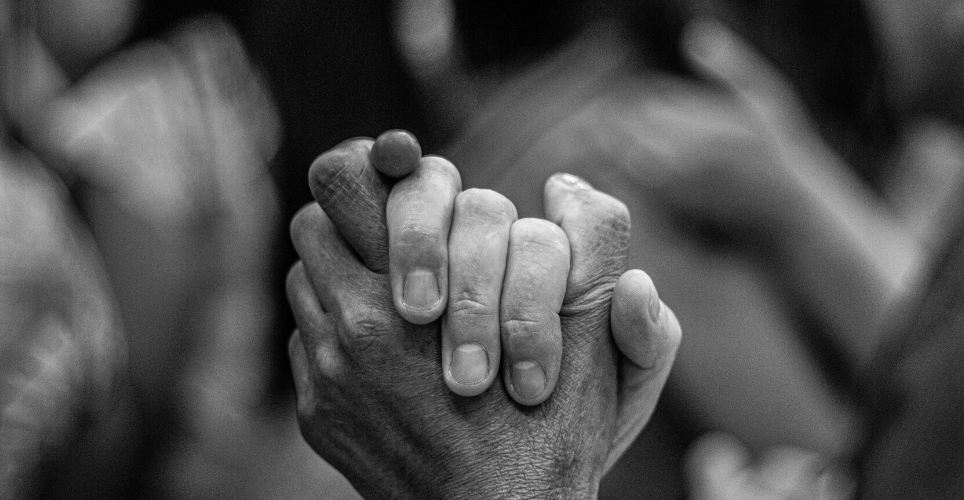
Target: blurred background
792, 169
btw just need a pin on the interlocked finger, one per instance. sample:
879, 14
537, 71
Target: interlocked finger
532, 294
478, 246
419, 216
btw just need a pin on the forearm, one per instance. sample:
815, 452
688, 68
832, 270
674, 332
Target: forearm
850, 260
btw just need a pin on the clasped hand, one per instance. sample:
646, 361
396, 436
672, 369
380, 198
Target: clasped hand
392, 246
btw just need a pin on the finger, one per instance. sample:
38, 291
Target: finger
719, 54
478, 246
307, 309
597, 227
301, 372
353, 194
419, 218
331, 267
309, 365
647, 334
396, 153
532, 295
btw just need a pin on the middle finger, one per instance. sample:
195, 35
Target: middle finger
478, 246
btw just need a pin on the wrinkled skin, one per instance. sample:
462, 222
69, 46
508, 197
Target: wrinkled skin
372, 399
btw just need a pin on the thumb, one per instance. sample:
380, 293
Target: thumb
647, 334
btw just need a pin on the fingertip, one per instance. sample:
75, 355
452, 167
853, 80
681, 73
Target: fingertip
300, 222
295, 279
396, 153
296, 351
439, 165
558, 190
566, 180
347, 159
298, 357
597, 227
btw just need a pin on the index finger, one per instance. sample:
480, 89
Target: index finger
354, 195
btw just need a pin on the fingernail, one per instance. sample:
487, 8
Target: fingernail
421, 290
470, 364
528, 379
573, 181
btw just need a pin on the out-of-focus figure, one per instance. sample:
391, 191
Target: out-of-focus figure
788, 268
62, 348
165, 146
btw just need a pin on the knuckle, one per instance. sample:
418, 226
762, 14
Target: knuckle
532, 234
364, 330
471, 304
522, 329
527, 322
416, 231
438, 167
485, 206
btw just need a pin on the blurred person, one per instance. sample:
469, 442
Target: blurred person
735, 158
65, 395
165, 146
912, 447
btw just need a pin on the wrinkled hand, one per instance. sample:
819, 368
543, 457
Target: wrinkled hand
371, 391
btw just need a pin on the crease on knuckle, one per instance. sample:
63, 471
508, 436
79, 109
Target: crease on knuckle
525, 324
469, 303
364, 330
413, 230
